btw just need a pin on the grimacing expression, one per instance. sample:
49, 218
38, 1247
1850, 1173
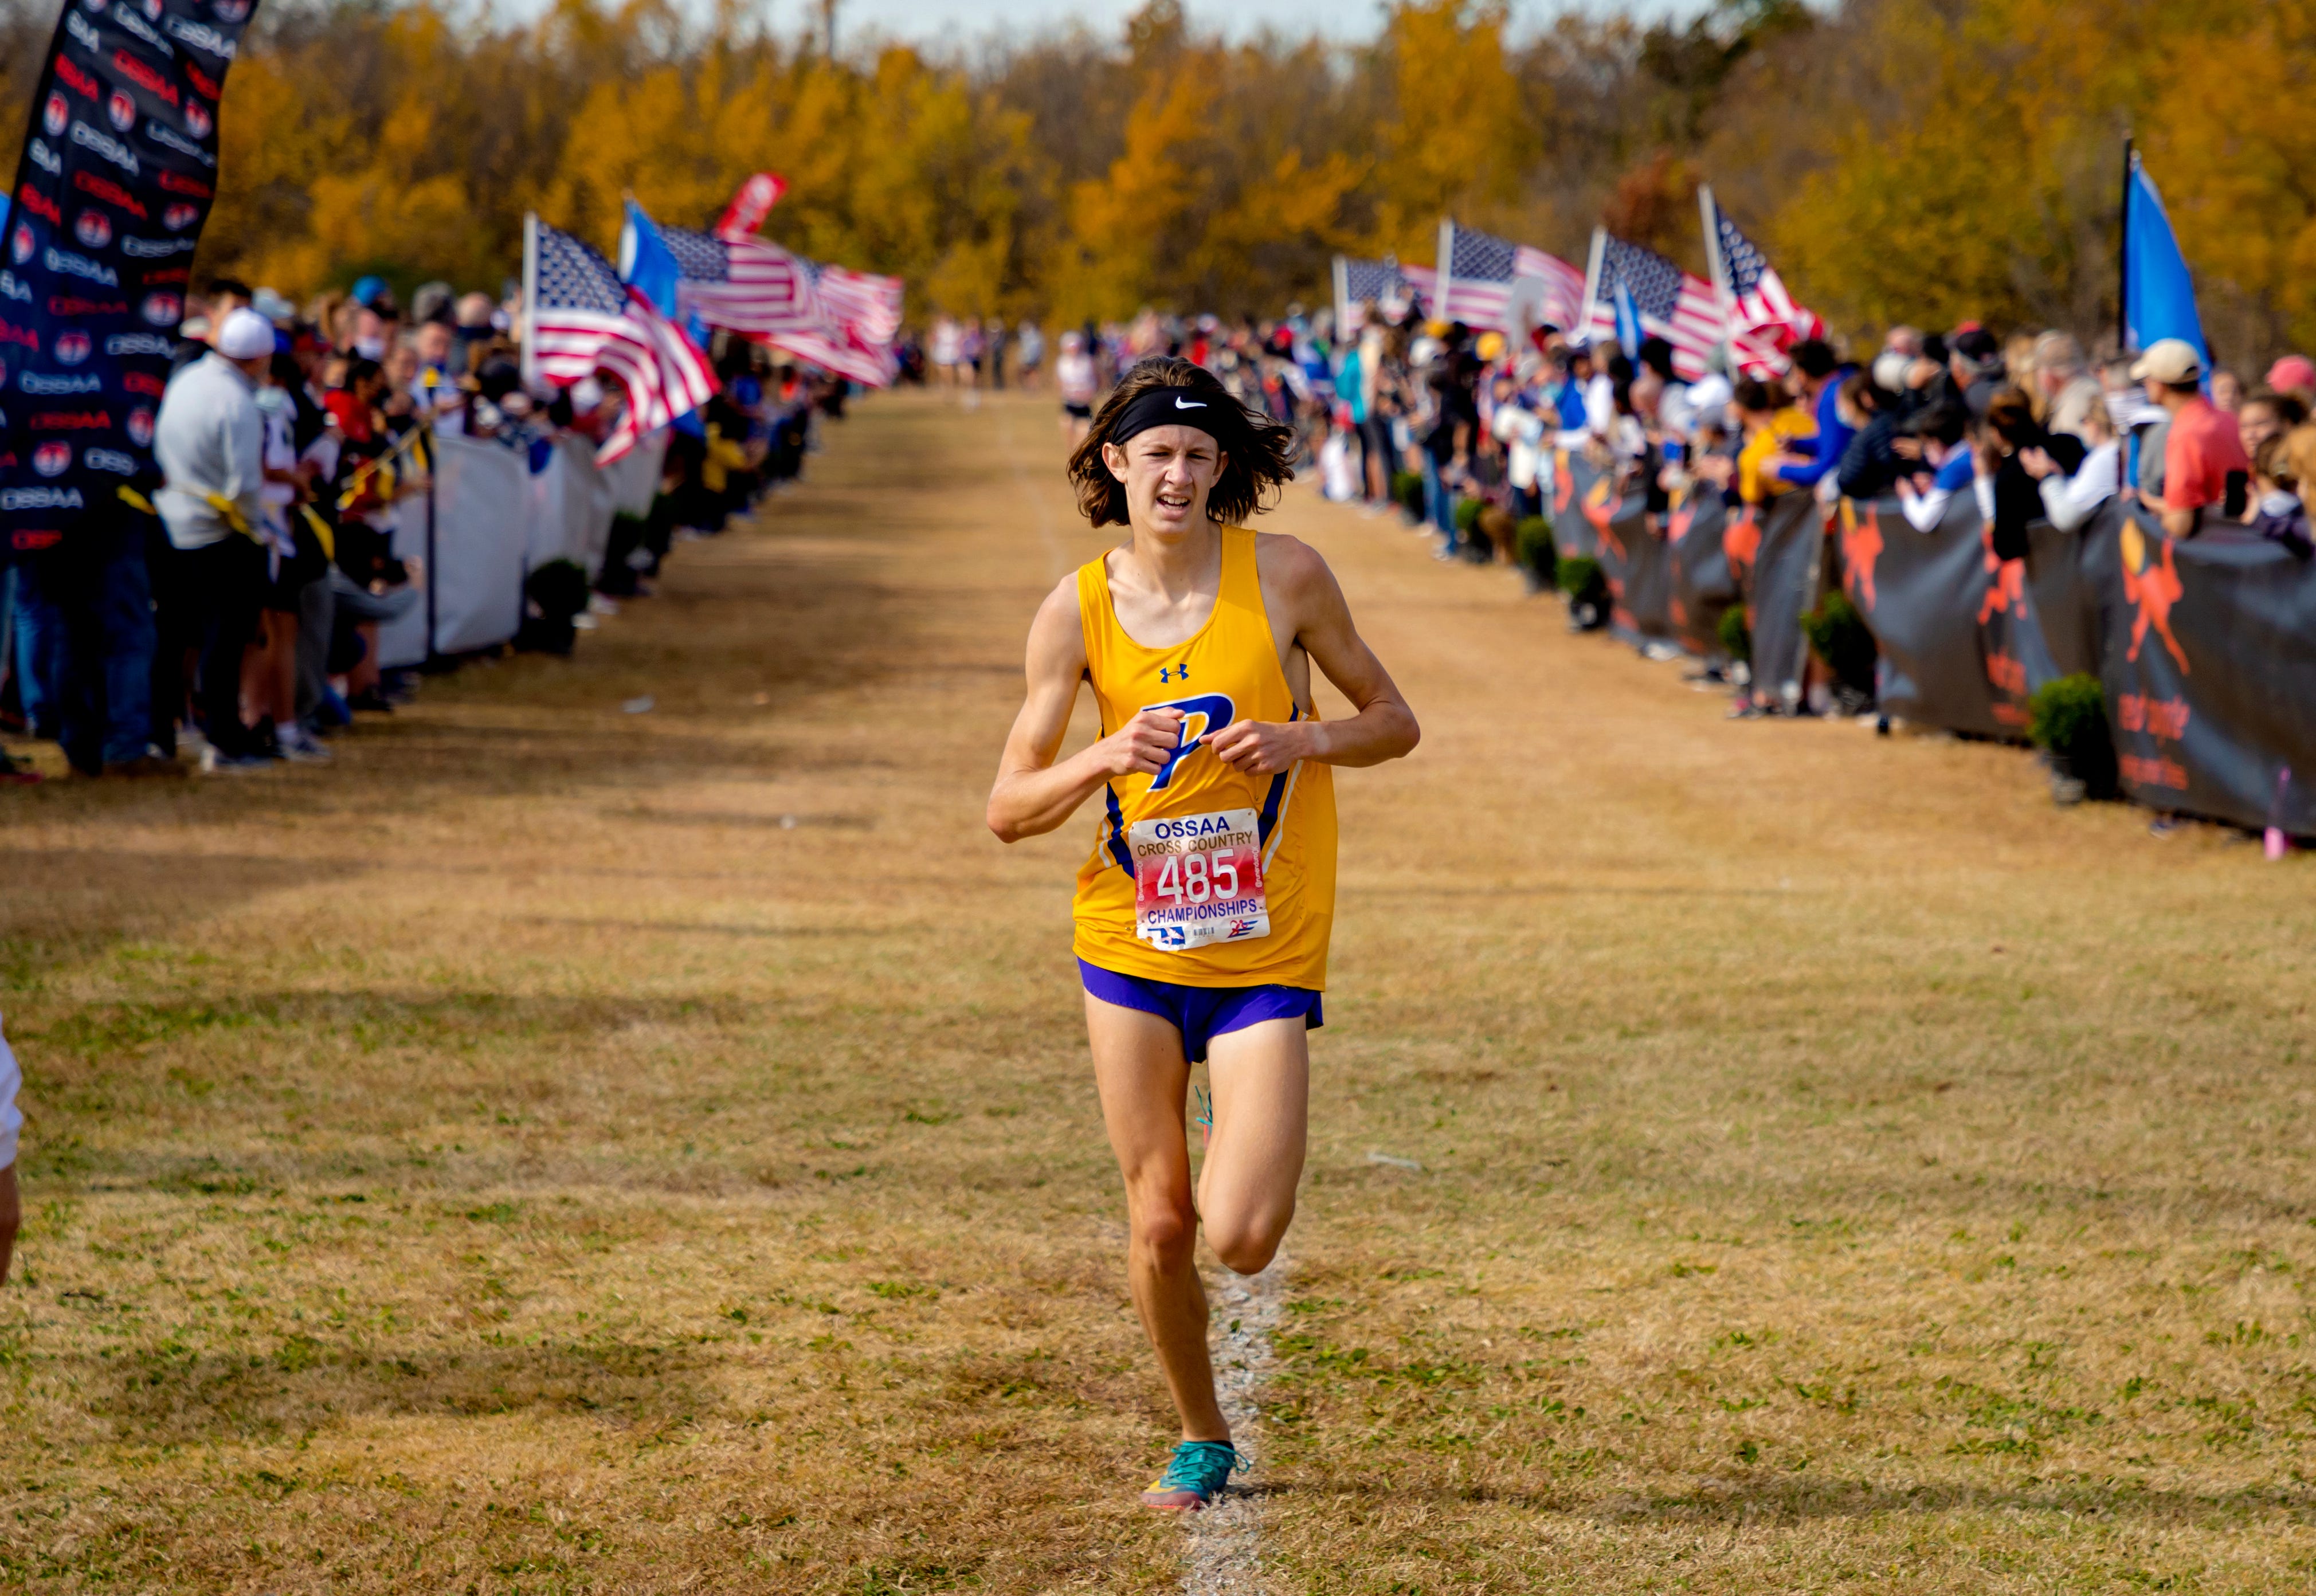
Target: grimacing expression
1168, 473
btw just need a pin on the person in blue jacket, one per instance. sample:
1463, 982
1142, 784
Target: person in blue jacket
1806, 461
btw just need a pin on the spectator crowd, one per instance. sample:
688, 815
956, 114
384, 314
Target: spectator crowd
224, 612
1457, 430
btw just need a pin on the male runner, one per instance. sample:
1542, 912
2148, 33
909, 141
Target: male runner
1203, 909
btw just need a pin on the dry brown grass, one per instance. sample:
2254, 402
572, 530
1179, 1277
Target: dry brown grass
516, 1158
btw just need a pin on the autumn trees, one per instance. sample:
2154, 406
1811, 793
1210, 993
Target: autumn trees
1921, 160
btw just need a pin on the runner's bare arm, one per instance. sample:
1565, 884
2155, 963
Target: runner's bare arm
1032, 794
1312, 604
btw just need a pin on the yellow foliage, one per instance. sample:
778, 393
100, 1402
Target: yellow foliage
1898, 160
2234, 154
1458, 142
1120, 222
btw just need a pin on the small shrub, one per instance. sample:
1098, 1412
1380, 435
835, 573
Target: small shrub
1407, 491
554, 593
1736, 637
1587, 586
1582, 580
1467, 516
1843, 640
1532, 547
2065, 713
2067, 719
559, 587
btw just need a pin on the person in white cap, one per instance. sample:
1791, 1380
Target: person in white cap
208, 441
2202, 450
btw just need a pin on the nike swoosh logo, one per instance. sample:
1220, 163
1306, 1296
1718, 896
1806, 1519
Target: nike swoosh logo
1189, 404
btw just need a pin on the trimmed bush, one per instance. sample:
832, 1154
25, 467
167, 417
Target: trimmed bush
1736, 637
2067, 719
553, 594
1533, 548
1843, 641
1407, 491
1467, 516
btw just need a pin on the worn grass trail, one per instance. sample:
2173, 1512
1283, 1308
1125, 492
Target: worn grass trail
553, 1149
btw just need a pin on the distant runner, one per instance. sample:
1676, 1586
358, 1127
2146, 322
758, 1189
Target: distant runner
1204, 907
1073, 374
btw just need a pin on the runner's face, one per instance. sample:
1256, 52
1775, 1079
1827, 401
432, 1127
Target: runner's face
1168, 472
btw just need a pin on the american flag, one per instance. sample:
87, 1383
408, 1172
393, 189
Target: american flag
1764, 322
850, 347
831, 316
755, 288
584, 319
744, 284
1483, 281
1674, 306
1385, 281
1425, 281
864, 301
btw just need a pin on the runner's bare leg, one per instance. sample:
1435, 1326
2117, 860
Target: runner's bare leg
1246, 1190
1261, 1077
1140, 1072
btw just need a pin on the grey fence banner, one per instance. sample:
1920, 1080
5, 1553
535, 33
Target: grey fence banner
2208, 657
1963, 637
1594, 517
2206, 648
1672, 581
1780, 589
1573, 479
1704, 582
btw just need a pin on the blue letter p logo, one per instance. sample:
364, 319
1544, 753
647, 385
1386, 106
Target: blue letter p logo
1208, 712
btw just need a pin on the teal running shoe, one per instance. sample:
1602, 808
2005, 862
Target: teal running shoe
1195, 1475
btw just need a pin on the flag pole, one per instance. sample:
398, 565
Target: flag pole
1446, 276
2123, 258
1711, 214
530, 299
1342, 299
1592, 282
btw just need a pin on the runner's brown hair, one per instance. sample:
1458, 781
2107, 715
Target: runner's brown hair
1258, 453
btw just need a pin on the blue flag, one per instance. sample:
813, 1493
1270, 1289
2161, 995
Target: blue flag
646, 264
2158, 299
1628, 322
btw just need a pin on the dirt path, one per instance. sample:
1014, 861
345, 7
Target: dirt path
556, 1149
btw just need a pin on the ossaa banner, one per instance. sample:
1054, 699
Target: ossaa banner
116, 177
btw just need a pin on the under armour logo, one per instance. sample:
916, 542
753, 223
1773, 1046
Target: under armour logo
1181, 673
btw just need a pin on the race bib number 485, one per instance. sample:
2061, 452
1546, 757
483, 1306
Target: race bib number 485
1197, 879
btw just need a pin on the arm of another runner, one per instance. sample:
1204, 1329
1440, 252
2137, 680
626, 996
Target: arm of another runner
1032, 794
1384, 728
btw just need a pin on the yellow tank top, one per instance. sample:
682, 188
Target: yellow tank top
1199, 874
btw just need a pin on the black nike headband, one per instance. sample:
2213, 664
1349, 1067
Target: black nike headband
1217, 417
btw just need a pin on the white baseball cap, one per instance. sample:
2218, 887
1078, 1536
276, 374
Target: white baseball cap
245, 336
2172, 361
